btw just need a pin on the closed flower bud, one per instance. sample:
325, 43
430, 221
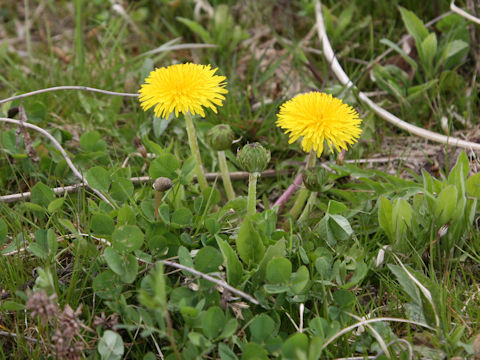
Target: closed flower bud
162, 184
220, 137
253, 158
315, 179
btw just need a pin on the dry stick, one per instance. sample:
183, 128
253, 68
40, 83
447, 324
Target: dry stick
368, 321
463, 13
345, 80
67, 87
212, 279
236, 175
62, 151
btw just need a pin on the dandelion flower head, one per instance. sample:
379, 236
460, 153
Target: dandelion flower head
182, 88
316, 117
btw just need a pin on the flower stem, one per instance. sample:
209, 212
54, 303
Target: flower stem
227, 184
192, 141
252, 193
303, 193
158, 199
308, 207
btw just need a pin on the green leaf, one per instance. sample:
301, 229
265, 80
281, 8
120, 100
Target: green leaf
91, 141
429, 50
127, 238
472, 186
385, 216
98, 178
249, 244
106, 285
401, 217
110, 346
122, 189
446, 204
414, 26
35, 207
335, 207
197, 29
406, 283
296, 346
361, 270
453, 53
126, 265
12, 306
340, 227
213, 322
253, 351
234, 266
55, 205
42, 195
165, 165
262, 328
300, 280
188, 170
275, 250
279, 270
229, 329
182, 217
3, 231
102, 224
208, 259
225, 352
36, 112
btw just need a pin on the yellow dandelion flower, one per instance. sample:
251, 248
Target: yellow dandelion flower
316, 117
182, 88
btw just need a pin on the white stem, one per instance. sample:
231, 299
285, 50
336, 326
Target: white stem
463, 13
67, 87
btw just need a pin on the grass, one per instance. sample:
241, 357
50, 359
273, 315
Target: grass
311, 278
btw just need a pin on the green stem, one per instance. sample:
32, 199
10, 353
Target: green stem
303, 193
227, 184
308, 207
252, 193
192, 141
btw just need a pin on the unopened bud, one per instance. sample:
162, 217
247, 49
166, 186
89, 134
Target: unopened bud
315, 179
253, 158
220, 137
162, 184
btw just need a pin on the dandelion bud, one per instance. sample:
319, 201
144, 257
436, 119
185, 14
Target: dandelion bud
315, 179
162, 184
253, 158
220, 137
